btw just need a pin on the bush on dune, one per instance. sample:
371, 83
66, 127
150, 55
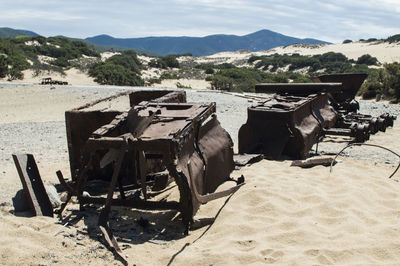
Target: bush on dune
385, 81
122, 70
245, 79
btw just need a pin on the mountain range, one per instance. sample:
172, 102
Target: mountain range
12, 33
197, 46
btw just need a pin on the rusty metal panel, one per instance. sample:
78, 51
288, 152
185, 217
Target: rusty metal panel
164, 96
351, 83
79, 126
216, 148
159, 131
33, 185
299, 89
285, 126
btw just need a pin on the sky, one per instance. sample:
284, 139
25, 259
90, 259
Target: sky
328, 20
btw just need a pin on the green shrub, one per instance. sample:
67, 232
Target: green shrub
384, 81
123, 70
329, 62
394, 38
367, 60
371, 90
244, 79
110, 74
209, 71
3, 66
165, 62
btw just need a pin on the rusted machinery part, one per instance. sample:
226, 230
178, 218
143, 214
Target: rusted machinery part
389, 119
64, 184
350, 85
360, 131
32, 184
113, 244
185, 197
286, 126
365, 144
210, 196
104, 214
301, 89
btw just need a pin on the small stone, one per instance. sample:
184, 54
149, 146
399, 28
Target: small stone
53, 196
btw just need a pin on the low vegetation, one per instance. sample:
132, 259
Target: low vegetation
328, 63
59, 53
384, 82
164, 62
123, 69
245, 79
26, 52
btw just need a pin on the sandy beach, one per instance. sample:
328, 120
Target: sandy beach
282, 216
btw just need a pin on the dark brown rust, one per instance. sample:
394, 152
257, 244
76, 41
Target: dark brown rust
299, 89
34, 189
286, 125
299, 114
159, 132
351, 83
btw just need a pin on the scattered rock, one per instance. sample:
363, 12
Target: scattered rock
53, 196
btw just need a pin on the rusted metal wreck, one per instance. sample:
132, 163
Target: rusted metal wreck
298, 115
159, 138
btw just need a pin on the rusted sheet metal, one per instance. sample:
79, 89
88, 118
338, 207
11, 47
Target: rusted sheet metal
80, 125
33, 185
286, 125
162, 96
155, 135
299, 114
81, 122
346, 105
299, 89
351, 83
211, 162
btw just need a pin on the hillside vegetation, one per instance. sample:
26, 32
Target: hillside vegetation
40, 54
125, 68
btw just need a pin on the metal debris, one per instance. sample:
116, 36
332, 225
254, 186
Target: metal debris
311, 162
161, 137
245, 159
33, 186
299, 115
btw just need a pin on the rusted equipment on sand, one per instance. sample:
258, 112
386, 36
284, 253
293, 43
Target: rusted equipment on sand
344, 99
287, 125
299, 114
347, 107
50, 81
160, 137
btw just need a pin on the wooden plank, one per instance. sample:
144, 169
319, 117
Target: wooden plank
33, 185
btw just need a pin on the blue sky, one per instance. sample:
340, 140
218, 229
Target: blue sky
329, 20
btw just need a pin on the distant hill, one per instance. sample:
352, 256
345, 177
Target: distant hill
12, 33
198, 46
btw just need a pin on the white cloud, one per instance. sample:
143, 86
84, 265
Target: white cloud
324, 19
